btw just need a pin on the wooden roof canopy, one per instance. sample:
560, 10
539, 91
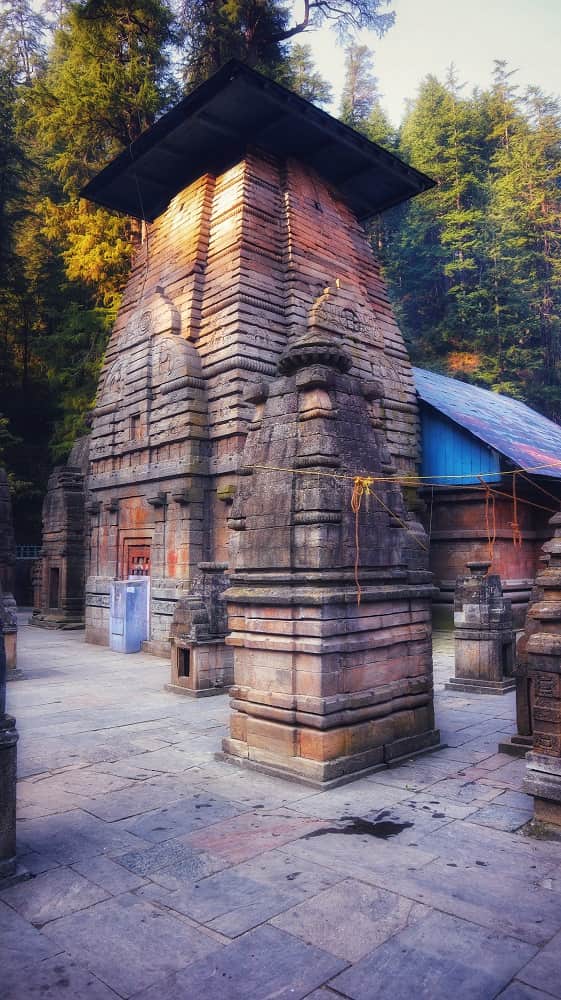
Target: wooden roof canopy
210, 129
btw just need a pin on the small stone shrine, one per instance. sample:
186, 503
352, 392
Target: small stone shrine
253, 201
332, 677
59, 581
8, 609
539, 654
201, 664
483, 634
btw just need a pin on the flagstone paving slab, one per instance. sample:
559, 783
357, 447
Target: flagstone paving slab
544, 971
191, 813
53, 978
501, 817
371, 916
518, 991
213, 881
128, 943
52, 895
438, 958
251, 833
484, 898
20, 943
75, 835
105, 872
267, 962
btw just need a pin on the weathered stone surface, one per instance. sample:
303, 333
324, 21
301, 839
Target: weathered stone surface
50, 979
225, 279
59, 582
371, 916
329, 679
54, 894
438, 955
264, 963
539, 693
484, 636
8, 609
128, 943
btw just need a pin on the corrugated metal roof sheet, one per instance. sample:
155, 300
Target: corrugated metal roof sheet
211, 128
529, 440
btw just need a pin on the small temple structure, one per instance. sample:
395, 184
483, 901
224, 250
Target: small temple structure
476, 508
484, 645
256, 379
58, 599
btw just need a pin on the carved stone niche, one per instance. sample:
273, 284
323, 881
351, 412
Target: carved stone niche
201, 663
483, 634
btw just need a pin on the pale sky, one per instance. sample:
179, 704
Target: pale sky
428, 35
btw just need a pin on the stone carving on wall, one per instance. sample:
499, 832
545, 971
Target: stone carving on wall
343, 312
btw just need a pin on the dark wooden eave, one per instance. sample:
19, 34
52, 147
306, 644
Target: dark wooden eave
212, 127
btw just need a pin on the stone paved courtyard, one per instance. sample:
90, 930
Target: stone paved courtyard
161, 873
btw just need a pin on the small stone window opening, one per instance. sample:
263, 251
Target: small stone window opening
183, 662
135, 427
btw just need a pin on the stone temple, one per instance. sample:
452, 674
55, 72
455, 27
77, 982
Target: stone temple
255, 369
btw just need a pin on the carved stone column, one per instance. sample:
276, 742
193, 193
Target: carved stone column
540, 655
8, 768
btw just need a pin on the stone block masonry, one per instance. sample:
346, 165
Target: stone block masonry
333, 675
224, 281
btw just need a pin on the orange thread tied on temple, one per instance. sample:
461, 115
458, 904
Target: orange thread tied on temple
514, 524
490, 520
361, 487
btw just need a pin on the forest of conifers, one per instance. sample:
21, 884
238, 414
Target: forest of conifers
474, 266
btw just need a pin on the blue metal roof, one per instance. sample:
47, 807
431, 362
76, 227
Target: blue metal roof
528, 439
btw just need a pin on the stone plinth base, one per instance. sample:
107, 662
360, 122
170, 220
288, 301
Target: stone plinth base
516, 746
478, 686
547, 812
543, 781
8, 768
56, 621
199, 693
156, 648
322, 773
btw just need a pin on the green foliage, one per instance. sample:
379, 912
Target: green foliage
299, 74
474, 265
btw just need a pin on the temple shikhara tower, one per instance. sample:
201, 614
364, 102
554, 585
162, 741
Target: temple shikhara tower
254, 356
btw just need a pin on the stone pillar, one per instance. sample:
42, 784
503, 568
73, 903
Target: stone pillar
8, 762
330, 682
483, 634
539, 653
8, 608
201, 664
59, 593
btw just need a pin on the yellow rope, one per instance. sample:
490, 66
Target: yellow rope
411, 480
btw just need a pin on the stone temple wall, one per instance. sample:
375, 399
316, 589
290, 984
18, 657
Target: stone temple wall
226, 278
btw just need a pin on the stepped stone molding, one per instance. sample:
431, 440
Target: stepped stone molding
325, 687
483, 634
539, 661
225, 281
